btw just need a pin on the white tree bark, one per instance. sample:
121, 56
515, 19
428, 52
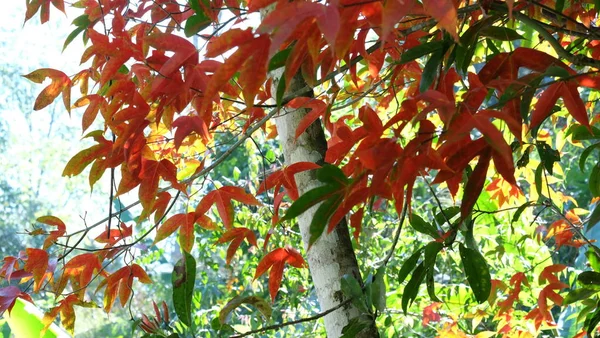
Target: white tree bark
332, 255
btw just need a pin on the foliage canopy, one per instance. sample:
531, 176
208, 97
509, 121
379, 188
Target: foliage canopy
461, 144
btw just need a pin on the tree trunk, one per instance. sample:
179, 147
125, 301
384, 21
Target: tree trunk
332, 255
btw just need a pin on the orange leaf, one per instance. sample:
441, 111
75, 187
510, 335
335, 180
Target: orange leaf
150, 175
548, 273
317, 107
222, 199
574, 103
393, 11
444, 12
185, 224
286, 177
67, 313
60, 83
36, 264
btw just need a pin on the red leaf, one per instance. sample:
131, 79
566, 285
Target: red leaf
121, 282
184, 53
222, 199
67, 313
475, 183
544, 105
275, 260
547, 275
185, 224
8, 297
317, 107
574, 103
10, 264
150, 175
81, 269
288, 16
393, 11
54, 235
286, 177
236, 236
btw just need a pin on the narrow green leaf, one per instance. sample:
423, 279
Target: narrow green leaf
183, 279
409, 265
280, 91
196, 23
587, 278
431, 251
538, 178
594, 218
592, 319
431, 286
594, 180
378, 290
585, 154
520, 210
417, 223
351, 288
582, 133
578, 294
412, 287
307, 200
421, 50
442, 218
430, 71
73, 35
556, 71
331, 174
501, 33
278, 60
321, 217
477, 272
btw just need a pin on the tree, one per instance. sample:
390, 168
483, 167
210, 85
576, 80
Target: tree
438, 113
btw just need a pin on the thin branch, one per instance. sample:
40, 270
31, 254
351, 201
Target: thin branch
293, 322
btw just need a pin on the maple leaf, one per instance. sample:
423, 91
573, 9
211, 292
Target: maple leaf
236, 236
150, 175
55, 234
185, 223
547, 275
115, 235
10, 264
82, 159
222, 199
8, 297
37, 265
33, 6
444, 12
186, 125
121, 283
317, 107
61, 83
516, 280
66, 311
250, 59
286, 177
430, 313
275, 261
80, 270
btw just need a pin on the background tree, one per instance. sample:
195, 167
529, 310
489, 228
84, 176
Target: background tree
448, 116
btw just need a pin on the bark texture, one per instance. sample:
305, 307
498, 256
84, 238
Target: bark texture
332, 255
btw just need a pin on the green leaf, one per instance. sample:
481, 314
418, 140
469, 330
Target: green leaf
442, 218
409, 265
378, 290
431, 286
477, 272
431, 251
307, 200
280, 91
351, 288
278, 60
594, 218
547, 155
556, 71
587, 278
196, 23
592, 320
417, 223
585, 154
594, 180
538, 178
183, 279
430, 71
259, 303
582, 133
412, 287
520, 210
73, 35
331, 174
579, 294
421, 50
321, 216
501, 33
